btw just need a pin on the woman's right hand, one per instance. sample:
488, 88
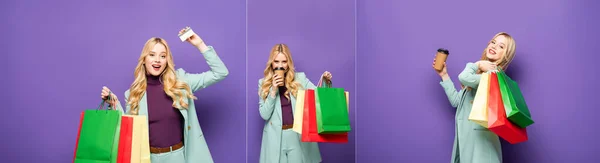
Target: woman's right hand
444, 73
277, 81
441, 73
104, 95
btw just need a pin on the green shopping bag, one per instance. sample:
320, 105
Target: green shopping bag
331, 109
514, 103
99, 136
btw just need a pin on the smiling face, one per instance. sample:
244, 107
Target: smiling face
156, 60
496, 48
500, 50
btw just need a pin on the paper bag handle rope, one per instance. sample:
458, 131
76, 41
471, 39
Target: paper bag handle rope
104, 101
328, 83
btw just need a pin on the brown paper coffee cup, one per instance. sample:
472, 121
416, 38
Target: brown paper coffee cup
280, 72
440, 58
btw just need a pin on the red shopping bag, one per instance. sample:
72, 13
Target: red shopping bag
497, 120
124, 153
78, 132
310, 132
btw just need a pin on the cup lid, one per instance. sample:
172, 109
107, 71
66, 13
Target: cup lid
445, 51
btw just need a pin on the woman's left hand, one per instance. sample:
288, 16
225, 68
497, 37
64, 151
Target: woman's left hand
194, 39
327, 75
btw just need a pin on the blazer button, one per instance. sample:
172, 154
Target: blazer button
189, 127
471, 101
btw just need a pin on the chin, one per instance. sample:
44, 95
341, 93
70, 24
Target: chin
154, 73
492, 57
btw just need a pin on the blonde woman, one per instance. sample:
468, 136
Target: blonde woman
472, 142
276, 106
166, 96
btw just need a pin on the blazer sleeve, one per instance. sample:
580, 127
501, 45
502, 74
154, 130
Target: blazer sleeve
218, 71
266, 106
468, 76
453, 95
304, 81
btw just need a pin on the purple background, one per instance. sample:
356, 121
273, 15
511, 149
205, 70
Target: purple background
321, 37
59, 54
403, 113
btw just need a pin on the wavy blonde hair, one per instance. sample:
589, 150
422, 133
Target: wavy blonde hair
171, 85
290, 83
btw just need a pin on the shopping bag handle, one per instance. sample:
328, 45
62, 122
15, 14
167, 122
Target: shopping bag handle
104, 101
498, 69
328, 83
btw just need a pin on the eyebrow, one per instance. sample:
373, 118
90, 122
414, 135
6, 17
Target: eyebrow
156, 52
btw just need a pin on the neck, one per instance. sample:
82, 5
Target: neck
153, 80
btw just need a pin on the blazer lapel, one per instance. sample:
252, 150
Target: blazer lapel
278, 107
184, 112
143, 106
293, 102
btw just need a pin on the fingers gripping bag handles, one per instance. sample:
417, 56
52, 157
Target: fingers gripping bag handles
98, 139
331, 109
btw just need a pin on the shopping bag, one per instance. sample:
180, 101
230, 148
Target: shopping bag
332, 109
309, 124
479, 109
125, 139
145, 140
136, 141
514, 103
497, 121
347, 101
299, 110
99, 136
140, 147
78, 133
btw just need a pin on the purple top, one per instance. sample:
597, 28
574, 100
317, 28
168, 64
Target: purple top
164, 120
287, 115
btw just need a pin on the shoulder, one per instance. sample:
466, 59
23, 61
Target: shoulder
471, 65
300, 76
181, 75
127, 93
180, 72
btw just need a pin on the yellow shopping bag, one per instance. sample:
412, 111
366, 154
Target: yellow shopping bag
145, 144
479, 110
347, 100
299, 112
140, 141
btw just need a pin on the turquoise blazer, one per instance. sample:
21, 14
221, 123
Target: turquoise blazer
270, 111
472, 142
196, 149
